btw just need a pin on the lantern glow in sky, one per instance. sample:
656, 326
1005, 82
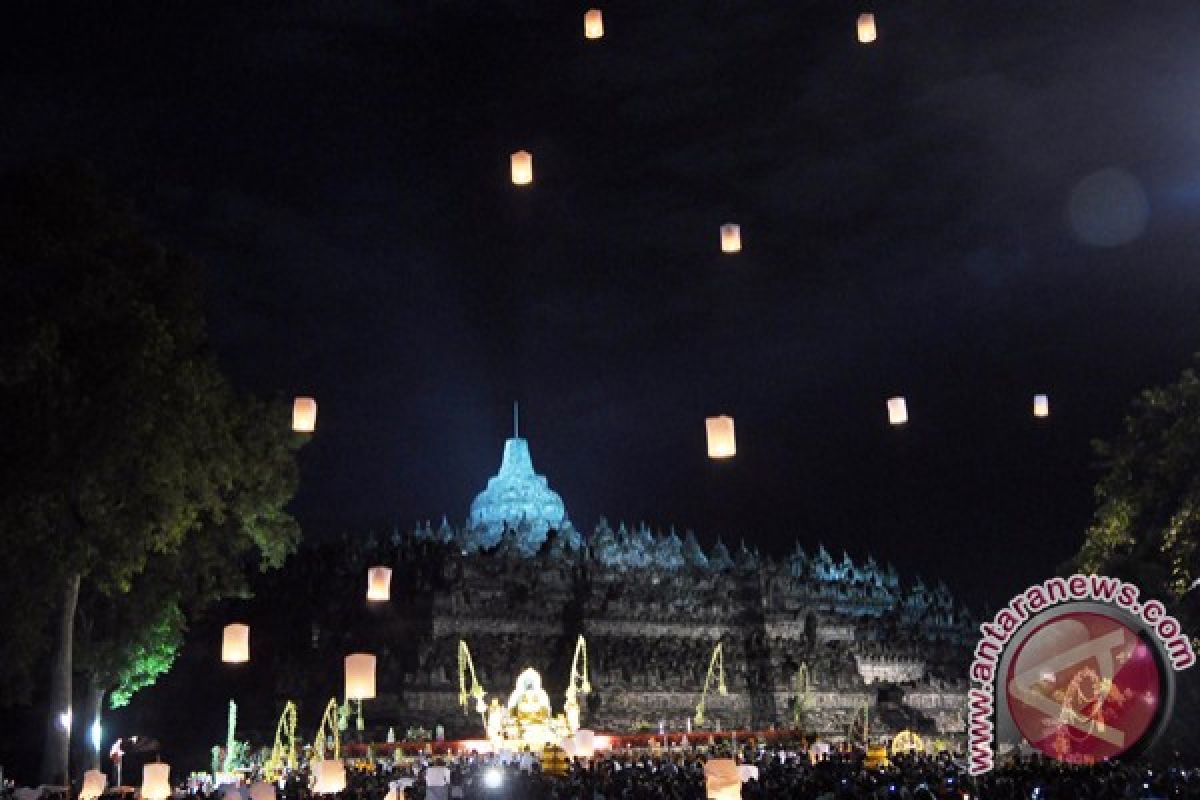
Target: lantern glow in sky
156, 781
331, 776
866, 28
522, 168
897, 411
235, 644
379, 584
1041, 405
721, 441
304, 415
94, 783
731, 238
593, 24
360, 676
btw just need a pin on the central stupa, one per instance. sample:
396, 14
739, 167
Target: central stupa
517, 498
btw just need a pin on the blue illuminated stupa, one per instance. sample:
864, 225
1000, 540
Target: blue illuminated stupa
518, 499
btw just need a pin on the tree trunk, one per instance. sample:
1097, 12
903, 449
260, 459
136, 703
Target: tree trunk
95, 713
58, 738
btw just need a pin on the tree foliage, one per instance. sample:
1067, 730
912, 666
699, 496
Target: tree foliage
1147, 521
129, 460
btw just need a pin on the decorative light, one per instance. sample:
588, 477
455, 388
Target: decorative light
493, 778
379, 584
522, 168
156, 781
235, 644
747, 772
722, 779
721, 442
304, 415
593, 24
64, 720
360, 676
866, 28
331, 776
96, 733
897, 410
1041, 405
731, 238
585, 743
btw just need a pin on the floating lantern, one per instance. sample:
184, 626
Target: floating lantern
304, 415
379, 584
747, 772
731, 238
235, 644
156, 781
897, 411
585, 743
330, 776
722, 779
721, 442
593, 24
1041, 405
866, 28
360, 676
94, 783
522, 168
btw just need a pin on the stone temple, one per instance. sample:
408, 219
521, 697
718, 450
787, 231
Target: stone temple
809, 640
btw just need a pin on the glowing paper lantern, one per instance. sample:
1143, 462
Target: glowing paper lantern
379, 584
866, 28
897, 411
94, 783
722, 780
261, 790
156, 781
235, 645
747, 772
1041, 405
522, 168
593, 24
721, 442
330, 776
360, 676
304, 415
585, 743
731, 238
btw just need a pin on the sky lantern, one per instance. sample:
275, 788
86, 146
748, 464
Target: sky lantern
1041, 405
94, 783
156, 781
897, 410
721, 442
360, 676
304, 415
593, 24
522, 168
722, 779
379, 584
731, 238
235, 644
331, 776
585, 743
866, 28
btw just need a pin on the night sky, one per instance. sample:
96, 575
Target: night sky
995, 199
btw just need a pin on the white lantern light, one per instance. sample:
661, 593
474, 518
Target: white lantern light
330, 776
866, 28
156, 781
94, 783
731, 238
593, 24
722, 780
235, 644
585, 743
379, 584
721, 442
304, 415
1041, 405
897, 410
360, 676
522, 168
747, 772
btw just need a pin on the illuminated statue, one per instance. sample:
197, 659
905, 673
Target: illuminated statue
529, 702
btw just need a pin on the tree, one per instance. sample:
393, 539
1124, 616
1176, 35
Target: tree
138, 476
1147, 519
